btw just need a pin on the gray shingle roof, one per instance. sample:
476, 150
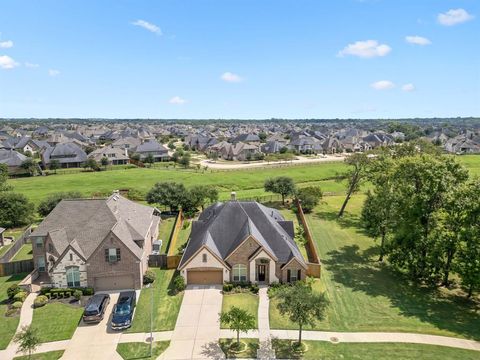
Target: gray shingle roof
11, 157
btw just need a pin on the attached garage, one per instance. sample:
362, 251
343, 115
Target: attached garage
121, 282
204, 276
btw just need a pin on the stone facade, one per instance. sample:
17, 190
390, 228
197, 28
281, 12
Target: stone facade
292, 266
59, 273
242, 254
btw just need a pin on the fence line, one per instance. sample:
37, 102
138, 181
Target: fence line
314, 264
16, 246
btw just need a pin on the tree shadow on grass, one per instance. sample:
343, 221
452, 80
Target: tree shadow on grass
348, 220
444, 310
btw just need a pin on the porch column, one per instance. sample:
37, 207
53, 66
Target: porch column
253, 272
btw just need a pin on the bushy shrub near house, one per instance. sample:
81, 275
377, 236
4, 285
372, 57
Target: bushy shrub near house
40, 301
179, 283
17, 305
20, 296
13, 290
149, 277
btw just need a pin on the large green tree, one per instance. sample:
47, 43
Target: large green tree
310, 197
355, 176
168, 193
49, 203
15, 209
280, 185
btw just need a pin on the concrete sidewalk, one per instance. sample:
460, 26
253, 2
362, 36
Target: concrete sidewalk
265, 350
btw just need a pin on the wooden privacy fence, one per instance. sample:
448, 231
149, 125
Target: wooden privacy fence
314, 266
174, 259
16, 267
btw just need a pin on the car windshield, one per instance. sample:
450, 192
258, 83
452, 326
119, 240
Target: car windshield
122, 309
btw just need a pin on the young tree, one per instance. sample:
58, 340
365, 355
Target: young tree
239, 320
4, 177
90, 164
301, 304
280, 185
27, 340
358, 163
15, 209
54, 165
199, 194
149, 159
30, 166
48, 204
185, 160
310, 197
104, 161
213, 156
168, 193
135, 156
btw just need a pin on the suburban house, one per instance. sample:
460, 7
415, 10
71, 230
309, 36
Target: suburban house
103, 243
241, 241
69, 155
115, 156
152, 147
13, 160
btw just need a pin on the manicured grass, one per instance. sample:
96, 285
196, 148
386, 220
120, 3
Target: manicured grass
367, 351
56, 321
165, 230
50, 355
249, 353
367, 296
15, 233
166, 305
139, 350
5, 248
8, 325
183, 236
288, 214
245, 301
24, 253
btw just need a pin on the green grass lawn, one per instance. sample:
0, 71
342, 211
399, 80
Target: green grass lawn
165, 305
245, 301
56, 321
367, 296
139, 350
8, 325
5, 248
15, 233
367, 351
24, 253
250, 352
165, 230
182, 236
50, 355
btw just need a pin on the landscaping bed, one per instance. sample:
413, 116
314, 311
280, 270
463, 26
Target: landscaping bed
139, 350
248, 348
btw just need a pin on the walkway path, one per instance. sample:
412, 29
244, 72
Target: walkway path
265, 351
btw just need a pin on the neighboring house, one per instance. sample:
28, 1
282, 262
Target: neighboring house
463, 144
241, 241
200, 142
129, 143
306, 145
247, 138
69, 155
115, 156
159, 152
34, 146
13, 159
103, 243
2, 241
272, 147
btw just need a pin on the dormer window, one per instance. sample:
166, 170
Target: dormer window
204, 258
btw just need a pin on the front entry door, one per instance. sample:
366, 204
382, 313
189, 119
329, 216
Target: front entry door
261, 272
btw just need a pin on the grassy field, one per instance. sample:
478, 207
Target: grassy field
8, 325
245, 301
50, 355
56, 321
24, 253
165, 230
139, 350
367, 296
250, 352
365, 351
166, 305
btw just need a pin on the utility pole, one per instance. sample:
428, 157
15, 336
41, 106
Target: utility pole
151, 319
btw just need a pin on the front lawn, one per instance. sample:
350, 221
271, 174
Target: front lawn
166, 305
50, 355
367, 296
9, 324
24, 253
250, 346
245, 301
367, 351
141, 350
56, 321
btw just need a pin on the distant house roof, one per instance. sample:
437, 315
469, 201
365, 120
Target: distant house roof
11, 157
222, 227
65, 153
272, 147
112, 153
151, 145
246, 138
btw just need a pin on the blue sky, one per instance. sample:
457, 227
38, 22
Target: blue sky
240, 58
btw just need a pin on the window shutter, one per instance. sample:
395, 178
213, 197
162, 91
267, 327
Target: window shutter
106, 255
118, 254
288, 275
299, 274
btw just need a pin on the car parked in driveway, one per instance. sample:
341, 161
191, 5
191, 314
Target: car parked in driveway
123, 310
95, 308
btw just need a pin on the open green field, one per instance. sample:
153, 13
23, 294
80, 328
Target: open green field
245, 301
8, 325
367, 351
367, 296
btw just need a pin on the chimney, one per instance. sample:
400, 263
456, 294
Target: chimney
233, 196
126, 152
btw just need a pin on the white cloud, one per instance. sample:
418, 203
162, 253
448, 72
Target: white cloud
454, 17
148, 26
6, 62
31, 65
6, 44
365, 49
408, 87
231, 77
177, 100
53, 72
417, 40
382, 85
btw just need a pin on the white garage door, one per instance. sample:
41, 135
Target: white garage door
114, 282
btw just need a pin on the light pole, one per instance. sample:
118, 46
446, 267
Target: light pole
151, 317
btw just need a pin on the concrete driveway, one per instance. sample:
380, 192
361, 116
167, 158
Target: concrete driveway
197, 329
96, 341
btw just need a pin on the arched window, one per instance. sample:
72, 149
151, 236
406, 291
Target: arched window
239, 272
73, 276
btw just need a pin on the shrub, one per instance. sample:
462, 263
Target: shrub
227, 287
254, 288
11, 312
77, 294
88, 291
13, 290
149, 277
20, 296
40, 301
17, 305
179, 283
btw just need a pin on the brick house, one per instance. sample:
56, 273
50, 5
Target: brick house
241, 241
103, 243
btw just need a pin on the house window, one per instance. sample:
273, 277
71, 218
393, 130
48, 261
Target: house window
293, 275
239, 272
73, 276
50, 248
41, 264
71, 257
38, 242
112, 255
204, 258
